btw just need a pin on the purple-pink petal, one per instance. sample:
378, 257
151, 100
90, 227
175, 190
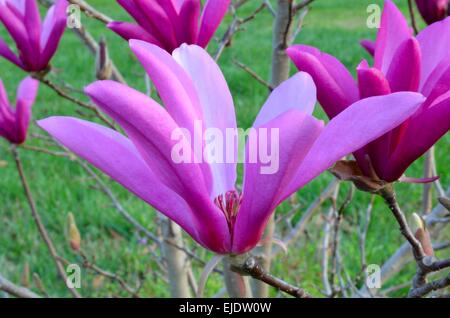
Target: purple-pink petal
213, 13
262, 192
336, 88
217, 108
116, 156
393, 31
404, 71
352, 129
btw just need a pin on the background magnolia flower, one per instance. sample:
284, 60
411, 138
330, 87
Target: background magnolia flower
402, 63
36, 42
202, 197
433, 10
170, 23
14, 123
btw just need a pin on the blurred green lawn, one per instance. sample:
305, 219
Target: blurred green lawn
60, 186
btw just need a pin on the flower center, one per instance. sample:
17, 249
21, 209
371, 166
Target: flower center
229, 204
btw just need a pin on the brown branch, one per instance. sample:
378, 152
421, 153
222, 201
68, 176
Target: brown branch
429, 287
15, 290
253, 74
112, 276
250, 267
425, 264
91, 12
413, 18
389, 197
58, 90
40, 225
234, 27
302, 5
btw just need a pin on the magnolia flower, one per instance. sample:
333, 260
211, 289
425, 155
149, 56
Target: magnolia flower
432, 10
36, 42
170, 23
14, 123
402, 63
202, 197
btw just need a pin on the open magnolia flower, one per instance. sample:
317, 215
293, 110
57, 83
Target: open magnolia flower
170, 23
402, 63
36, 42
202, 197
14, 122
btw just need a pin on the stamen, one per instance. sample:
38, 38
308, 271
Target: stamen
229, 203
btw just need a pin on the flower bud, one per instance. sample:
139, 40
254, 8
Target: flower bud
74, 234
422, 235
103, 66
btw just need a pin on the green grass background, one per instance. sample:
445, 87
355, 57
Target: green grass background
60, 186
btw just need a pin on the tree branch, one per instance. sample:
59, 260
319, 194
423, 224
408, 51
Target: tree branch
15, 290
250, 267
40, 225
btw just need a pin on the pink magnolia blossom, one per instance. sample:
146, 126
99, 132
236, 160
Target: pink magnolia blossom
432, 10
14, 122
36, 42
170, 23
402, 63
202, 197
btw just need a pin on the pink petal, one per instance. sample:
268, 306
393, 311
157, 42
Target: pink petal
32, 22
213, 13
52, 31
336, 88
393, 31
175, 88
6, 52
355, 127
298, 92
434, 43
117, 157
422, 132
130, 31
189, 19
369, 46
150, 128
139, 16
16, 29
216, 107
371, 81
262, 192
26, 95
158, 17
404, 71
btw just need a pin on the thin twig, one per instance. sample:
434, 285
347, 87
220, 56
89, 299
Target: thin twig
40, 225
234, 27
389, 197
112, 276
72, 99
413, 18
253, 74
15, 290
91, 12
302, 5
429, 287
252, 268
